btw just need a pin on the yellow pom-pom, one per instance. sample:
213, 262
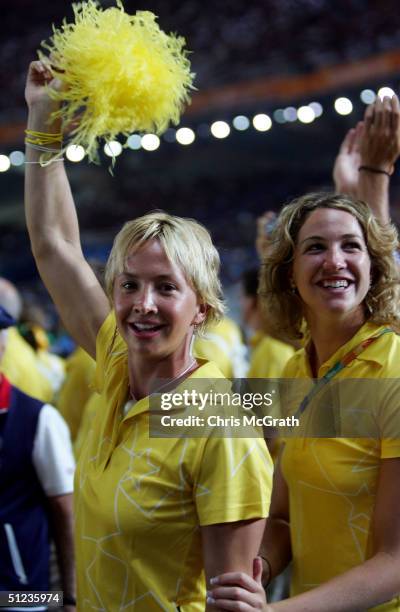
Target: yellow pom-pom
120, 74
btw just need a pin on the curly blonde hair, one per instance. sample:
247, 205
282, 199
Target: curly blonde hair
186, 242
285, 307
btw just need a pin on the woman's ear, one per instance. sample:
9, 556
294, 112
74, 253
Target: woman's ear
201, 314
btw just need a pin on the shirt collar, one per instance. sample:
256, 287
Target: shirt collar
369, 354
207, 370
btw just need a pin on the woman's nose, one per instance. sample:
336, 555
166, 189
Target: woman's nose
144, 301
334, 260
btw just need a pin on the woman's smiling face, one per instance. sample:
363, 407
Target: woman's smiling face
156, 308
331, 265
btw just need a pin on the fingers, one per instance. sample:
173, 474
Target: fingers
39, 71
238, 579
235, 598
395, 108
359, 130
348, 142
227, 604
257, 569
383, 114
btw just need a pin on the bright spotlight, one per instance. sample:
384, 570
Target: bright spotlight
386, 91
134, 142
290, 113
317, 108
17, 158
241, 123
113, 148
75, 153
262, 122
305, 114
343, 106
4, 163
367, 96
185, 136
220, 129
150, 142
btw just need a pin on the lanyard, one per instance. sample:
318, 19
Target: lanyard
340, 365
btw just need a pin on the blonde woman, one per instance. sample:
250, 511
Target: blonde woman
153, 514
334, 508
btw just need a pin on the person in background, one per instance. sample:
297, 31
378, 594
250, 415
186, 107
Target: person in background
269, 355
367, 156
19, 361
33, 327
223, 344
77, 389
36, 483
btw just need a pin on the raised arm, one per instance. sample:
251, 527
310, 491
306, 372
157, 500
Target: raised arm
367, 156
379, 151
53, 225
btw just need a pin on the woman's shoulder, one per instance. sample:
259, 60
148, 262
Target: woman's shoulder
297, 365
385, 350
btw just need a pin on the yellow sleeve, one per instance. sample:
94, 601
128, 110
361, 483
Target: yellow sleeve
234, 480
105, 345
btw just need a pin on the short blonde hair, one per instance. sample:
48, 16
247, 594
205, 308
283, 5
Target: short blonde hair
186, 243
284, 307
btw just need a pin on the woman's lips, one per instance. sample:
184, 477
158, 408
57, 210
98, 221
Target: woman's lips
146, 330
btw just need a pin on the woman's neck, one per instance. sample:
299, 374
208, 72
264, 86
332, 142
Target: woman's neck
328, 336
146, 375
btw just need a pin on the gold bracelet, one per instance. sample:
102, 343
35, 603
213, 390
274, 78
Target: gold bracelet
42, 138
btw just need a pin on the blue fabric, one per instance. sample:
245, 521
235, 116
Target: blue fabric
6, 319
23, 504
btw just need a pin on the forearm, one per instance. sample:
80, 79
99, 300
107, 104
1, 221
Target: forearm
373, 188
367, 585
276, 547
49, 205
230, 547
63, 532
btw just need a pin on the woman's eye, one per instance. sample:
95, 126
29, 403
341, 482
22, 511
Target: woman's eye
317, 246
352, 245
129, 286
167, 287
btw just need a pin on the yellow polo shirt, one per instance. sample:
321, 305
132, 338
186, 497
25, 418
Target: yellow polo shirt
269, 357
332, 482
20, 365
222, 343
77, 388
140, 501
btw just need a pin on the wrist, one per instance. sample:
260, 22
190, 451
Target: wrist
383, 169
39, 118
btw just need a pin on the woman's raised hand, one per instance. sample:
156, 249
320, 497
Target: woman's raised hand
36, 94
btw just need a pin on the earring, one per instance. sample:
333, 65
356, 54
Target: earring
293, 287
